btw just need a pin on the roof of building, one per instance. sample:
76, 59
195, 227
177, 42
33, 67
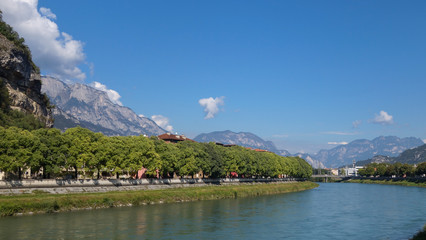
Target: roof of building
172, 137
261, 150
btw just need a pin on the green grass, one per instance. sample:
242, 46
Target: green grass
389, 182
48, 203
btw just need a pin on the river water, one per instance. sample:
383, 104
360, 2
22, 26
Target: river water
331, 211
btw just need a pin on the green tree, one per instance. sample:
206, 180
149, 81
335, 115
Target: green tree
168, 156
50, 153
15, 150
81, 150
407, 170
186, 165
215, 154
421, 168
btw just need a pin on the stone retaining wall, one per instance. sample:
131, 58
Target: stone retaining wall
60, 186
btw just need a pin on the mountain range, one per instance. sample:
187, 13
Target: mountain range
244, 139
362, 149
357, 150
410, 156
80, 104
247, 139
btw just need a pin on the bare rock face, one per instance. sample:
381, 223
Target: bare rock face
80, 104
23, 82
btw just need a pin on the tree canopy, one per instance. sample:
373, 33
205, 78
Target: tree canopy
81, 152
396, 169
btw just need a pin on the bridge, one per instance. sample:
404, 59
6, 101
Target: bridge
325, 177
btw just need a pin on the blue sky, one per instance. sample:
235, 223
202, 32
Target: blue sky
305, 74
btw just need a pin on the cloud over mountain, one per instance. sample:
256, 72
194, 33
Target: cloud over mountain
356, 123
163, 122
211, 105
337, 143
53, 51
383, 118
113, 95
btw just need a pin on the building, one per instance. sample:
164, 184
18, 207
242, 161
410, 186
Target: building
334, 171
168, 137
353, 171
225, 145
260, 150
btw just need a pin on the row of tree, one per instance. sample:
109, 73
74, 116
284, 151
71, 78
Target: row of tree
81, 152
395, 169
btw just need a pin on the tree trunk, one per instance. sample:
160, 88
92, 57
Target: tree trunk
19, 173
76, 172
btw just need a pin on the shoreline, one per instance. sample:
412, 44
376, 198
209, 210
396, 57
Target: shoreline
59, 186
398, 182
40, 202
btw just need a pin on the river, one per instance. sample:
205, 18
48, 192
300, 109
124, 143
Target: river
331, 211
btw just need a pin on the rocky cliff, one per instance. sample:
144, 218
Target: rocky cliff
22, 77
80, 104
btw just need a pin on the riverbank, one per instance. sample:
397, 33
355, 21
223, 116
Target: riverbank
420, 235
41, 202
61, 186
400, 182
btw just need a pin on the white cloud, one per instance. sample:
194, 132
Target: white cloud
337, 143
47, 12
356, 123
383, 118
55, 52
424, 140
113, 95
163, 122
211, 105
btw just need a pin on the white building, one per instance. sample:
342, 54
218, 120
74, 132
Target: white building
353, 172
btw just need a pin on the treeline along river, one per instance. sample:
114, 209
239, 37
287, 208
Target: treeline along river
331, 211
81, 153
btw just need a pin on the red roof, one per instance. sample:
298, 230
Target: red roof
172, 137
260, 150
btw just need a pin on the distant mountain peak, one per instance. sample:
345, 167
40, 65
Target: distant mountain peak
362, 149
411, 156
245, 139
80, 104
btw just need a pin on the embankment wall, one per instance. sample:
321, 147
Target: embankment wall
60, 186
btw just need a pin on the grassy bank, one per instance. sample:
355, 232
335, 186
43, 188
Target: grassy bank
389, 182
48, 203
